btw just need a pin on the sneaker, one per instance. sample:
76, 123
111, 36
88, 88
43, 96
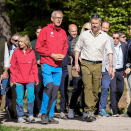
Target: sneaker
44, 119
11, 114
103, 113
39, 115
84, 115
53, 121
71, 113
62, 116
90, 116
21, 120
31, 118
115, 114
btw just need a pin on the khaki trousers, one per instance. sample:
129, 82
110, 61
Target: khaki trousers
91, 79
127, 92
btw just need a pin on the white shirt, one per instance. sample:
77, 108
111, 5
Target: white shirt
119, 56
6, 56
92, 47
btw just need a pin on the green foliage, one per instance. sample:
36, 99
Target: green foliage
27, 15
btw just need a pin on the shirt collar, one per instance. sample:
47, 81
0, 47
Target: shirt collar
100, 32
14, 47
118, 45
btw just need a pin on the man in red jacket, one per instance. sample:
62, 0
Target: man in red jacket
52, 47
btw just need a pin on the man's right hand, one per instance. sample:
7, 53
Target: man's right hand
77, 67
57, 57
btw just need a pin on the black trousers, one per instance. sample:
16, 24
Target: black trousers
116, 89
38, 93
77, 84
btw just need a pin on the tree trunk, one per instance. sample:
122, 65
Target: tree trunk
4, 22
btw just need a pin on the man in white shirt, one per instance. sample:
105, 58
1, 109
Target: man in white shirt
92, 44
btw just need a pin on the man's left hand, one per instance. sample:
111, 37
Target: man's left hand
5, 75
110, 70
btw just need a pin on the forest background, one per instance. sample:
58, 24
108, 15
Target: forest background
24, 16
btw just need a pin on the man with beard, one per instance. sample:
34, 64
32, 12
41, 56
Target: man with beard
92, 44
105, 80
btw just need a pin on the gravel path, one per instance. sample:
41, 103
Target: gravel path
101, 124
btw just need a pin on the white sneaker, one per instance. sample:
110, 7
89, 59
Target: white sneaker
30, 119
21, 120
84, 115
71, 113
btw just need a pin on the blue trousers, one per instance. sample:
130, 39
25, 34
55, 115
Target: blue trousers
51, 79
104, 90
63, 90
4, 85
19, 100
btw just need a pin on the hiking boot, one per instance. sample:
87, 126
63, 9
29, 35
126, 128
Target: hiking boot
11, 114
21, 120
31, 118
90, 116
84, 115
53, 121
103, 113
44, 119
62, 116
39, 115
71, 113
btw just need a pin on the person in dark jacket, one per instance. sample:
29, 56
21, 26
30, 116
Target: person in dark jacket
39, 87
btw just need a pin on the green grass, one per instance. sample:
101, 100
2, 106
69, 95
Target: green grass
13, 128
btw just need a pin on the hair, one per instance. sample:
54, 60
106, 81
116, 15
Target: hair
96, 16
39, 27
26, 40
105, 21
121, 33
16, 34
53, 13
115, 32
88, 23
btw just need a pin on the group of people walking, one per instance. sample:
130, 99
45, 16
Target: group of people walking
41, 67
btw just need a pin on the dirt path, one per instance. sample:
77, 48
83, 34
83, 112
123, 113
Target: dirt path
101, 124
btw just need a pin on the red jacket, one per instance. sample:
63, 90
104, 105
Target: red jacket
51, 40
23, 67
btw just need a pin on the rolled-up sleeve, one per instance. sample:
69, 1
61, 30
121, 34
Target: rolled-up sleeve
79, 44
108, 46
6, 57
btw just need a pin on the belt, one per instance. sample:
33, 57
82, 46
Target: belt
93, 62
121, 69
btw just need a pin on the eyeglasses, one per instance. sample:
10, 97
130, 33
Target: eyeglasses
15, 40
60, 18
115, 38
86, 29
123, 37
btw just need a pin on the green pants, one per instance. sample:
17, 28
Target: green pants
91, 79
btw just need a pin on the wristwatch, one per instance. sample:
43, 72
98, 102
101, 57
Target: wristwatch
111, 65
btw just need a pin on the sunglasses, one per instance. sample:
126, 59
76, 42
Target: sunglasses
123, 37
129, 28
115, 38
86, 29
15, 40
